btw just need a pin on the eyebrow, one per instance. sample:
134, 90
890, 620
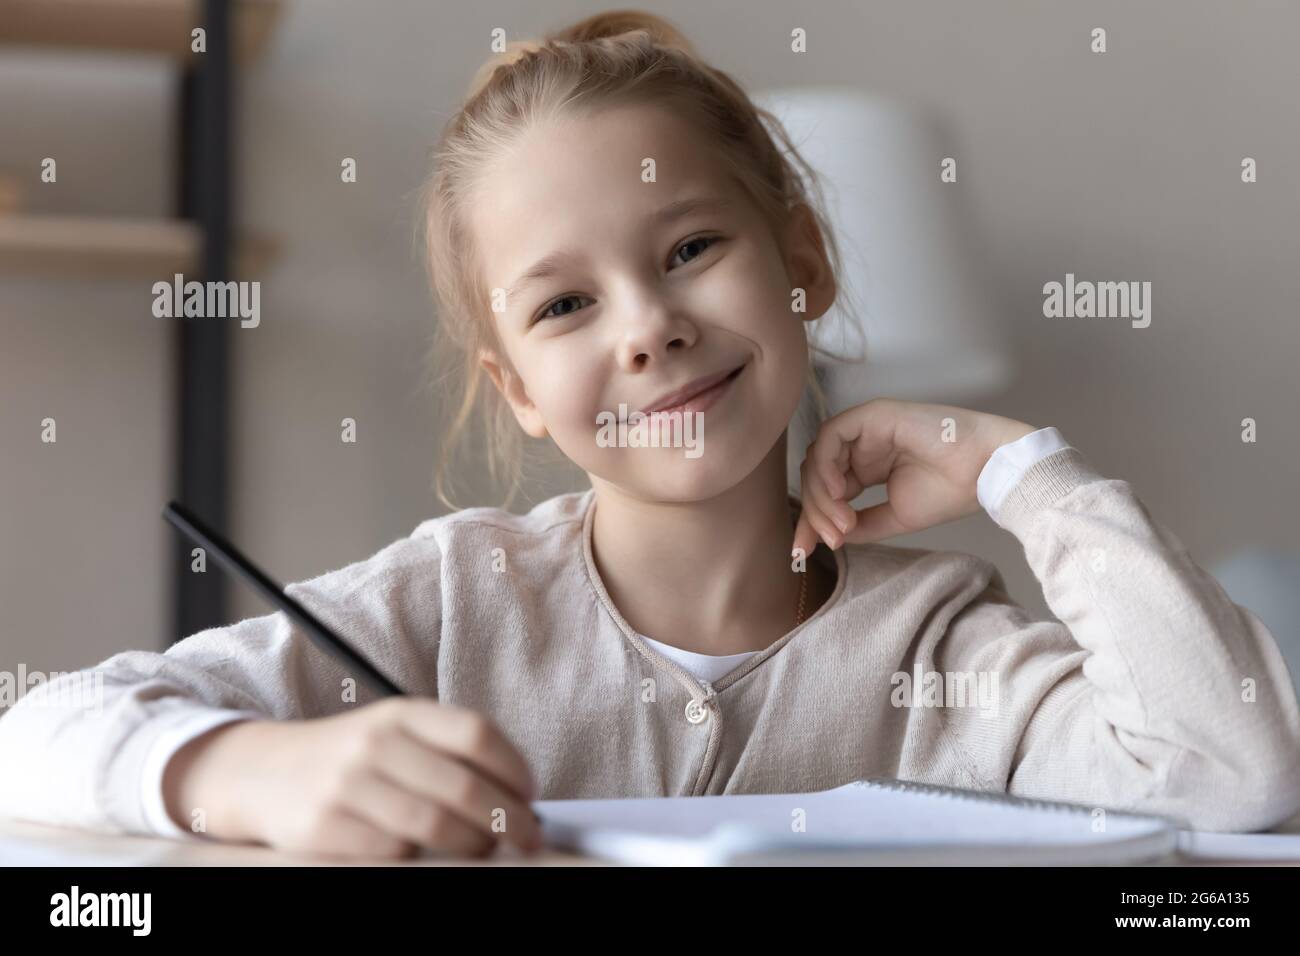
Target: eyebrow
549, 265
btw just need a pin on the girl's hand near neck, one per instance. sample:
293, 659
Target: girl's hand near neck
928, 457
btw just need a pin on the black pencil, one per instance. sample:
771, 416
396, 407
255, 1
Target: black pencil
232, 560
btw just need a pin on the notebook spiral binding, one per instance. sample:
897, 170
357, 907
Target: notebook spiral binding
892, 783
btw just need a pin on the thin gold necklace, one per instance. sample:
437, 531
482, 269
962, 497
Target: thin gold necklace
803, 591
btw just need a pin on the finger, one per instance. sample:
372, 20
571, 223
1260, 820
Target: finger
829, 455
857, 447
350, 836
869, 426
816, 515
397, 811
831, 506
476, 798
805, 535
875, 524
471, 737
802, 534
854, 486
822, 528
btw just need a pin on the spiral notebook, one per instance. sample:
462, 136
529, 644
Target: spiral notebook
867, 822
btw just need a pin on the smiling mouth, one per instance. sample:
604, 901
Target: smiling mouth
700, 400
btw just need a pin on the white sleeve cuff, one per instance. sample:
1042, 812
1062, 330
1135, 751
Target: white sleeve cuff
1008, 464
163, 749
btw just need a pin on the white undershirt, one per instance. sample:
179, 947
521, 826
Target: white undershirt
707, 667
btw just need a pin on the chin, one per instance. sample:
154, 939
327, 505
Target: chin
674, 477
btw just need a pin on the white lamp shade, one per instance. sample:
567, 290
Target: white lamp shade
926, 319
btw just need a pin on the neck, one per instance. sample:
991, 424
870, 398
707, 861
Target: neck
712, 576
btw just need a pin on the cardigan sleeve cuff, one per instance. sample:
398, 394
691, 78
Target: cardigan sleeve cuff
153, 804
1008, 465
1042, 485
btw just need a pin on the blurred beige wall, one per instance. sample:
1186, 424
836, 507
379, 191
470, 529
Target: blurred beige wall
1122, 167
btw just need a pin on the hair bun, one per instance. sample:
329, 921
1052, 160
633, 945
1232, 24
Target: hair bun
614, 23
515, 50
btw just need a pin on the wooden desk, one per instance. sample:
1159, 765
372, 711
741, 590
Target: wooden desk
50, 845
63, 846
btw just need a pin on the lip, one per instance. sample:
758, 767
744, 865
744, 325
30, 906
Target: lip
693, 391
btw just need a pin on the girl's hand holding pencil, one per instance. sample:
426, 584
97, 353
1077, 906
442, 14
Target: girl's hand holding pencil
385, 780
929, 457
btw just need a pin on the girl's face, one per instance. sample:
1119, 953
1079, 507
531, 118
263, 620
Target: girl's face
637, 298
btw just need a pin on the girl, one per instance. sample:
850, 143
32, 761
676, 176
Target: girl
611, 226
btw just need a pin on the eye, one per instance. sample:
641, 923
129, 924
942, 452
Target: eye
546, 312
704, 241
698, 240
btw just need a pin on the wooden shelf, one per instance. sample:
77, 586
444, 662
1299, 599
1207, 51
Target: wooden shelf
104, 247
140, 26
11, 194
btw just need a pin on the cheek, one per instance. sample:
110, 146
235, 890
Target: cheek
761, 311
567, 395
749, 293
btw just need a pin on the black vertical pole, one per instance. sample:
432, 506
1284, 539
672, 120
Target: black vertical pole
203, 344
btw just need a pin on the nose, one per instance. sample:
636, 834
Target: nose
650, 329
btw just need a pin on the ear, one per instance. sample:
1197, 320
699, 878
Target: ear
510, 386
807, 263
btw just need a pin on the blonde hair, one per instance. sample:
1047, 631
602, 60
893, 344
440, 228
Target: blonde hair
615, 57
